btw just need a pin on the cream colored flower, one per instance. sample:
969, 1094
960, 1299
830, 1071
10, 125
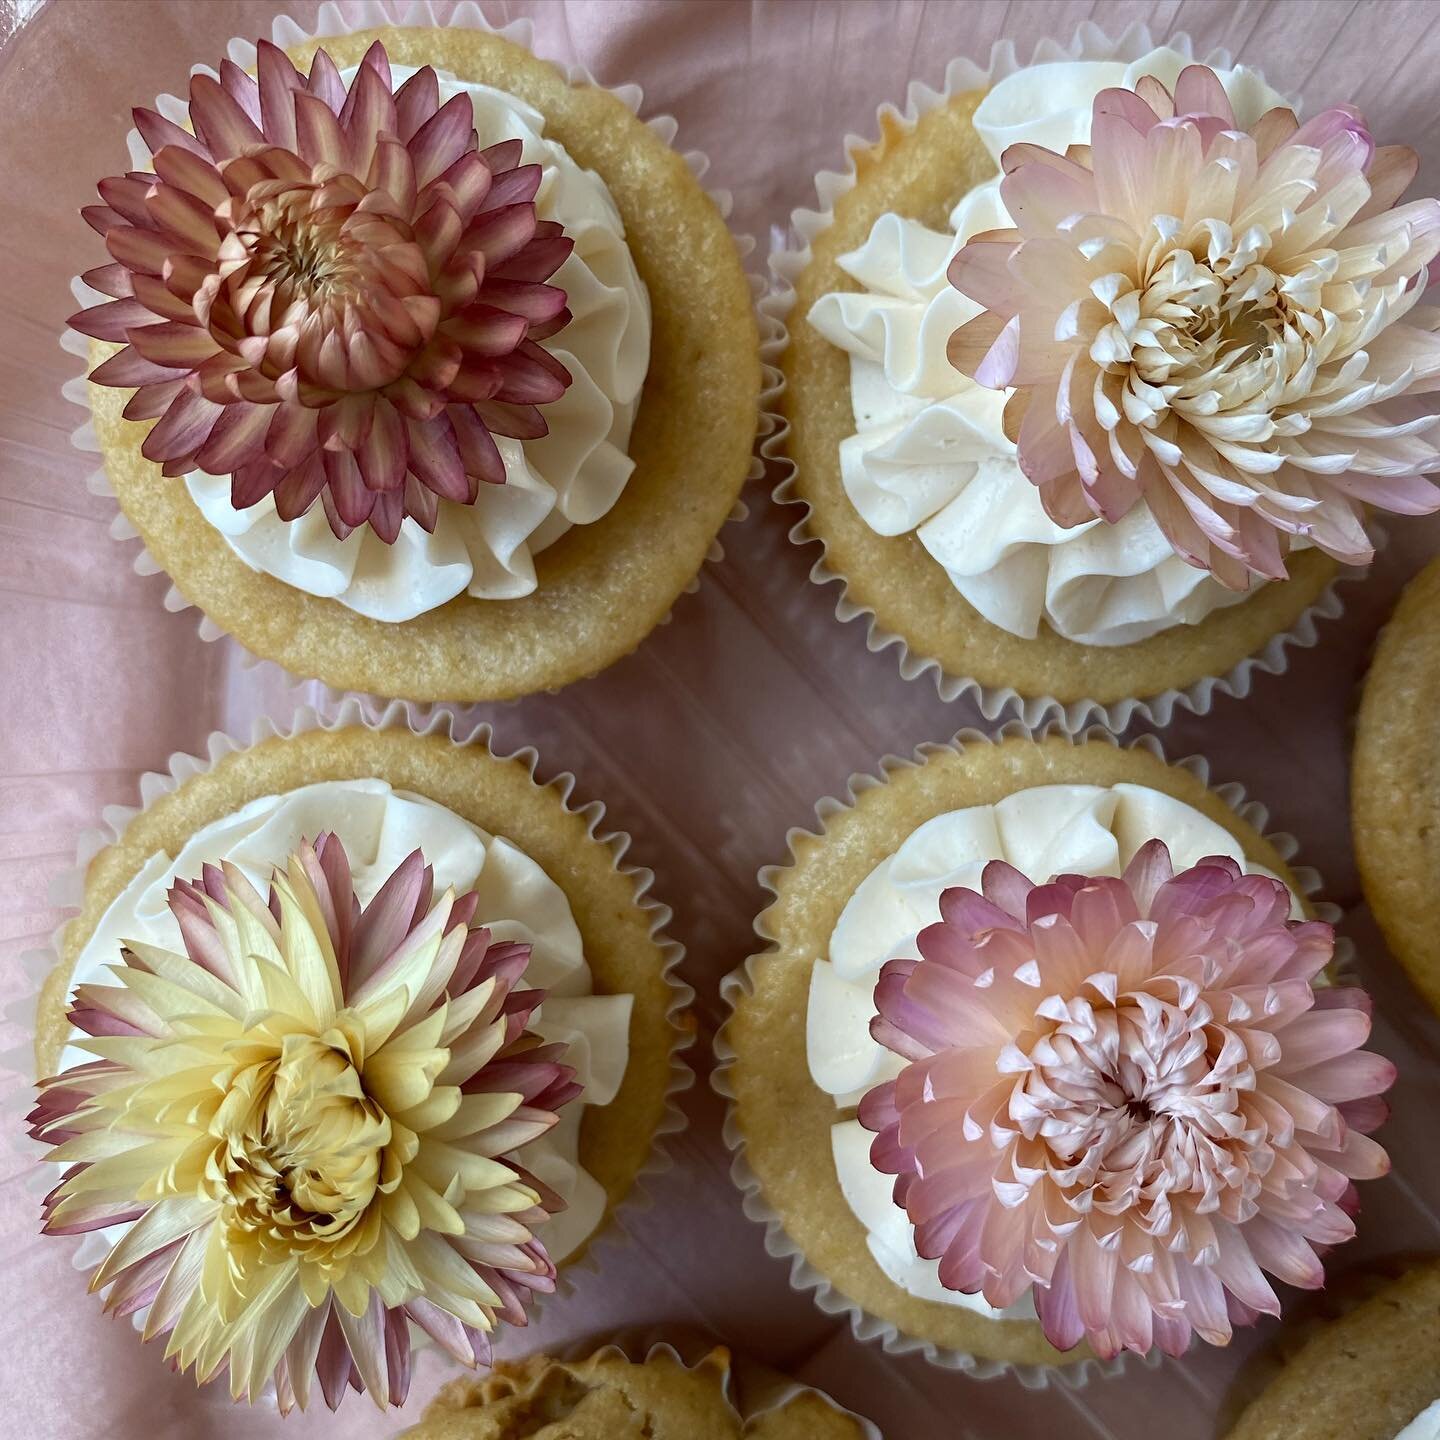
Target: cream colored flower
308, 1124
1215, 322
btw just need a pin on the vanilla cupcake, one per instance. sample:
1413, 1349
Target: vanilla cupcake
367, 1037
1032, 1069
608, 1395
1395, 792
1116, 454
1370, 1374
419, 368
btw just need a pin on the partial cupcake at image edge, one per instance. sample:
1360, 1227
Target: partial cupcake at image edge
419, 366
667, 1394
359, 1039
1112, 460
1048, 1060
1369, 1370
1394, 784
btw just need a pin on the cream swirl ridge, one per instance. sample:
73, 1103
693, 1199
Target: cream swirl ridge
1043, 831
571, 476
930, 454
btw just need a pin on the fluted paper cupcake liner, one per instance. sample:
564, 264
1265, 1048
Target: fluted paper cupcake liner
791, 253
68, 889
740, 982
330, 21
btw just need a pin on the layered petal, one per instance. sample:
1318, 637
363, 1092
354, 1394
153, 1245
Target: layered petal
316, 267
1213, 322
1126, 1096
312, 1125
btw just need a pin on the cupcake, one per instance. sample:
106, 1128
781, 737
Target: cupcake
419, 368
367, 1036
1041, 1063
1395, 792
1372, 1374
1102, 429
608, 1395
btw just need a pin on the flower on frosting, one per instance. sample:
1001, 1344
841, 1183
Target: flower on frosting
1128, 1094
1212, 321
307, 1125
329, 293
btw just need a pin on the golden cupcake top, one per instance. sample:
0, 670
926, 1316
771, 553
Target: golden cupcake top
610, 1397
335, 382
1045, 1064
307, 1091
1394, 794
1371, 1374
1128, 466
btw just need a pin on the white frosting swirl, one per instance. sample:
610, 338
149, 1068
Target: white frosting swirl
379, 827
1043, 831
930, 452
1425, 1426
572, 476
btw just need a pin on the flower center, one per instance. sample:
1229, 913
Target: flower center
1128, 1104
294, 238
305, 264
302, 1146
1208, 329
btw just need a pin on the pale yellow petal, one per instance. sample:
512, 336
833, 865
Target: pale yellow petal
474, 1113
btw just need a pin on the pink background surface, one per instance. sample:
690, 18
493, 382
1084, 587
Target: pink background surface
707, 744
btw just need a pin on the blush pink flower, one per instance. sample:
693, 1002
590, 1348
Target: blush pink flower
1215, 322
329, 294
1127, 1096
311, 1126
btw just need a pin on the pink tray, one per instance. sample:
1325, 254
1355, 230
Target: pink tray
717, 736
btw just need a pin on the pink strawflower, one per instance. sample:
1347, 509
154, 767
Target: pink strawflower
329, 294
1129, 1095
1212, 321
309, 1123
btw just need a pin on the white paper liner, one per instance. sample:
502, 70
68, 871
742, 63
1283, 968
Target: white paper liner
741, 982
329, 21
761, 1390
791, 253
67, 892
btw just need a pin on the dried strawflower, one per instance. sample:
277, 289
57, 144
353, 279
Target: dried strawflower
1128, 1094
329, 293
308, 1124
1212, 321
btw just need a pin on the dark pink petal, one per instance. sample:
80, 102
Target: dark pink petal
151, 401
183, 429
319, 131
435, 458
347, 490
516, 422
219, 120
110, 321
236, 439
385, 454
442, 139
241, 88
368, 111
174, 345
501, 234
415, 102
478, 451
252, 481
278, 81
325, 82
157, 132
